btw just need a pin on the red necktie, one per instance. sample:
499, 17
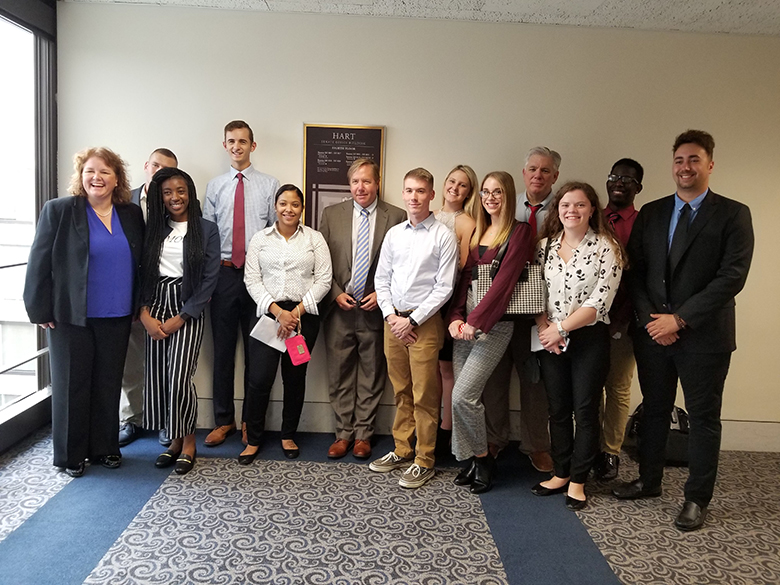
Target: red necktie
613, 217
239, 230
532, 217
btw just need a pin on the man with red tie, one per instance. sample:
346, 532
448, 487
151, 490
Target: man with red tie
623, 184
241, 203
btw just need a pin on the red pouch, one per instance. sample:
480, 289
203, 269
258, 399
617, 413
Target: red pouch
298, 350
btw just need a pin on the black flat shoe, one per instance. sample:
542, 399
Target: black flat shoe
574, 504
466, 475
184, 464
247, 459
77, 471
635, 490
110, 461
166, 459
291, 453
484, 472
691, 517
540, 490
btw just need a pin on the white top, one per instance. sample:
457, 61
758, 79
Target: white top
417, 267
297, 269
589, 279
356, 216
259, 212
172, 253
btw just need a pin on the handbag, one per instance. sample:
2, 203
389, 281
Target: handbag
528, 295
297, 348
676, 453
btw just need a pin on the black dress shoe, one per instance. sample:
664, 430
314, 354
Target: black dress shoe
691, 517
247, 459
110, 461
466, 475
163, 438
635, 490
608, 467
574, 504
540, 490
291, 453
166, 459
77, 471
184, 464
484, 472
128, 433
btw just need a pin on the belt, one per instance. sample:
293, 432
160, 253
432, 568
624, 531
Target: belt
403, 313
229, 264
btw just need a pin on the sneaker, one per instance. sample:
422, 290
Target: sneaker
389, 462
416, 476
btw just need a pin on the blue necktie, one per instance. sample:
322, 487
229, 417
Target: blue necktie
360, 270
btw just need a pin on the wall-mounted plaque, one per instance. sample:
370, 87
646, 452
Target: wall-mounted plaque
328, 152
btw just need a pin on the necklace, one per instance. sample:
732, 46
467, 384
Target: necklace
106, 214
572, 248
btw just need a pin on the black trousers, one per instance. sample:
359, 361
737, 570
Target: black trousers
231, 308
263, 365
702, 376
574, 382
86, 380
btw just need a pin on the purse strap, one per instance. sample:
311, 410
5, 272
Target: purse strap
500, 255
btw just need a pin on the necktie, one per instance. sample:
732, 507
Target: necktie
532, 217
239, 229
360, 270
612, 217
679, 240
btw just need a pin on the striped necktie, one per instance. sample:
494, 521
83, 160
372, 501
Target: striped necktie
360, 270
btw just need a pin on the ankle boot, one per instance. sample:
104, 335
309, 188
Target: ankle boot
483, 474
466, 475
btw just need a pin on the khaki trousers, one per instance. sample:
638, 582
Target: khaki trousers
617, 394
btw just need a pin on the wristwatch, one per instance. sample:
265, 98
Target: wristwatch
561, 331
413, 322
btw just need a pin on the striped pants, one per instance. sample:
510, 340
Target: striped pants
170, 400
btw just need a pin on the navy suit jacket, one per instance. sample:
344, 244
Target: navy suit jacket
55, 288
701, 287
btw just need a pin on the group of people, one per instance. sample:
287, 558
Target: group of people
398, 294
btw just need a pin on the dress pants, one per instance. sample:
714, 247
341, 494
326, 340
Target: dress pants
574, 380
231, 307
534, 433
131, 400
702, 376
357, 370
171, 400
413, 371
86, 380
617, 394
263, 366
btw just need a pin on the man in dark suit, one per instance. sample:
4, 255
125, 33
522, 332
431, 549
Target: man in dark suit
357, 370
131, 401
690, 255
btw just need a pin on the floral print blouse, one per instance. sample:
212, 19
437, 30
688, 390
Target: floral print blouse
589, 279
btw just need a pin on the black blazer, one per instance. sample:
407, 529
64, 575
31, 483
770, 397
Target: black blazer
711, 271
55, 288
195, 294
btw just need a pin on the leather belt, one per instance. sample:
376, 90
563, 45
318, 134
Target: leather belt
229, 264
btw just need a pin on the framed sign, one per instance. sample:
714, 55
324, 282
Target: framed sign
328, 152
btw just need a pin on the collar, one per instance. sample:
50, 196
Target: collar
426, 224
246, 172
370, 208
272, 229
590, 236
547, 200
695, 204
624, 213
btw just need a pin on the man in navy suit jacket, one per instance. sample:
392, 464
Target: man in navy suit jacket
690, 254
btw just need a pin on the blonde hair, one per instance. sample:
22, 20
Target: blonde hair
473, 182
121, 193
420, 174
506, 217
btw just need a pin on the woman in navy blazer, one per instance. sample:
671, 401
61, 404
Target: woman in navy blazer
180, 268
81, 286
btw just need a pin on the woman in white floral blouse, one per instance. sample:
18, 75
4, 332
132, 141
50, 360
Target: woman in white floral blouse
583, 262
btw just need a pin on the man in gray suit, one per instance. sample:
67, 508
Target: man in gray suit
131, 401
357, 369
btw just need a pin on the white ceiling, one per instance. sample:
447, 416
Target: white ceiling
752, 17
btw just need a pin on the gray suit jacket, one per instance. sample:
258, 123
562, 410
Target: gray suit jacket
336, 227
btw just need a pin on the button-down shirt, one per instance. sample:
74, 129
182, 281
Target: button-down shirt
678, 205
523, 211
589, 279
623, 222
297, 269
356, 219
259, 192
416, 269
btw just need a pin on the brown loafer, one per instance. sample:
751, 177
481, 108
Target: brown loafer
338, 449
219, 434
362, 449
541, 461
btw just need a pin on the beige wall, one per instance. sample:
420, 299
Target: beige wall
138, 77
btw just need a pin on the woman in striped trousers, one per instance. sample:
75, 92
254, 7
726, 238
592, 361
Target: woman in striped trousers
179, 273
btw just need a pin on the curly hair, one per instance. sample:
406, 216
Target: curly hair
121, 194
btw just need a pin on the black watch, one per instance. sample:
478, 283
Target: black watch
413, 322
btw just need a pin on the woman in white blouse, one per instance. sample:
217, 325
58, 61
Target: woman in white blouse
287, 272
583, 262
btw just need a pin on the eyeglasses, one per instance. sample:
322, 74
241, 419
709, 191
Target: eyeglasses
498, 194
623, 179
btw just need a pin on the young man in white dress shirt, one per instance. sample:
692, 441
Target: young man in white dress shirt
414, 278
231, 305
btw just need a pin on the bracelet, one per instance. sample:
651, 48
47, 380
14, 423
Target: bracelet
679, 320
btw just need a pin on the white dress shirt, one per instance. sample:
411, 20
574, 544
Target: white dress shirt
297, 269
589, 279
356, 219
416, 269
259, 212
